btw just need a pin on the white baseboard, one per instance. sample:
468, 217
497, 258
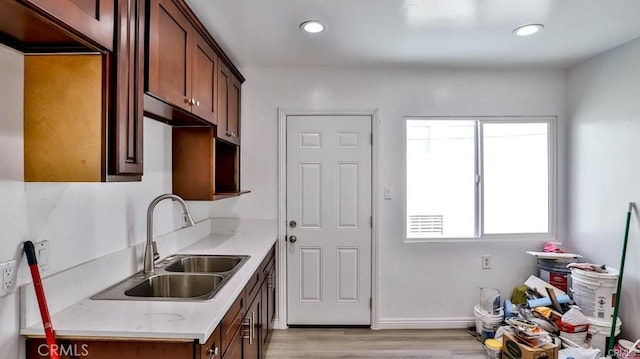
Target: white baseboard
411, 323
424, 323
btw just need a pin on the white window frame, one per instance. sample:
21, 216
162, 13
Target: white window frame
479, 217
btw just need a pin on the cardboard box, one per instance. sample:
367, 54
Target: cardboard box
514, 349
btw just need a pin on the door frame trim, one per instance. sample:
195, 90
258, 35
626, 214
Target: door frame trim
282, 320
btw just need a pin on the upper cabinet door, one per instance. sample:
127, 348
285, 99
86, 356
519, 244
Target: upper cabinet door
125, 124
228, 106
205, 68
170, 49
92, 18
233, 117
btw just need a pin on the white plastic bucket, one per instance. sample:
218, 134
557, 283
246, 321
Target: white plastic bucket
600, 330
487, 320
595, 293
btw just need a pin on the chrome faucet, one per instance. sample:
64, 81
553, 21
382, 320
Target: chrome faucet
150, 251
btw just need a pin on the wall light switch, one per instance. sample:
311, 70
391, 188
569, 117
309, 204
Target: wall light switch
388, 193
42, 255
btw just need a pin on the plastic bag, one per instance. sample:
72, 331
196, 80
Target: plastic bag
579, 353
574, 326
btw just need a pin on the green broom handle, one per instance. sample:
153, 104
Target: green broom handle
612, 336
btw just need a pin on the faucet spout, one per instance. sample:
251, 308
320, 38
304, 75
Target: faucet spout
149, 250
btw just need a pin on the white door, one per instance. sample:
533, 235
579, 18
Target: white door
329, 220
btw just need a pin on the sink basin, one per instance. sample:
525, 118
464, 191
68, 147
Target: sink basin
204, 264
180, 277
176, 286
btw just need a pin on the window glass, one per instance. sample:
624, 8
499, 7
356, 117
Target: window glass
515, 177
440, 178
474, 177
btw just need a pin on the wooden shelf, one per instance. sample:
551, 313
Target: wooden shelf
219, 196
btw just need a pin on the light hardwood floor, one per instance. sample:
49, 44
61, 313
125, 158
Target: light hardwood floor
369, 344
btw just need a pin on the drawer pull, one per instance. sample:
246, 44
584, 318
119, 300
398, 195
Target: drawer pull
248, 321
213, 351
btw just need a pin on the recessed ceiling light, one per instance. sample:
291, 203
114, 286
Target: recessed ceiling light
312, 26
527, 30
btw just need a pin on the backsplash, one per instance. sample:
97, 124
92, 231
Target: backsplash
93, 276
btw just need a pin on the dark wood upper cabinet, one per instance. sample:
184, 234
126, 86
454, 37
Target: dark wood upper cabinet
83, 112
169, 71
229, 93
93, 19
204, 80
127, 61
182, 65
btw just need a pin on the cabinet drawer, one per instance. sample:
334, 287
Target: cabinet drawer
253, 286
212, 348
267, 264
232, 321
234, 350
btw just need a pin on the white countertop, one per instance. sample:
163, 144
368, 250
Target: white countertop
169, 320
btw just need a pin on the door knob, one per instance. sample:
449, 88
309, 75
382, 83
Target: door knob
293, 239
293, 224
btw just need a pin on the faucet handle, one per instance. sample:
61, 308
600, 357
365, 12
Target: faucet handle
156, 255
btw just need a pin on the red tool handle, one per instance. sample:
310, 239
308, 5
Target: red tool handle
42, 301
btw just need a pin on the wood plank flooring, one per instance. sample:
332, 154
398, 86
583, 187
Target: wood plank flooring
370, 344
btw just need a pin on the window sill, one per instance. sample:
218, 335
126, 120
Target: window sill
487, 239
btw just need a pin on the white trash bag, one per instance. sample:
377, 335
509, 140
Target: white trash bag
579, 353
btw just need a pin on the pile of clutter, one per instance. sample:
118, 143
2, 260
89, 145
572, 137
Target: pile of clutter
565, 312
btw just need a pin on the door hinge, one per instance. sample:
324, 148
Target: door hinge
371, 221
370, 303
371, 138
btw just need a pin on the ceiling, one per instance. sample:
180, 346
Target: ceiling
418, 32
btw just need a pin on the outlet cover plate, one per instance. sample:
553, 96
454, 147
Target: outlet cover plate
7, 273
42, 255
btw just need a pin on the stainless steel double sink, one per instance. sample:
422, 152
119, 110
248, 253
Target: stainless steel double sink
178, 278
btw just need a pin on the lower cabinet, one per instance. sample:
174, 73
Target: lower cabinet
242, 334
235, 347
247, 333
109, 349
268, 293
251, 339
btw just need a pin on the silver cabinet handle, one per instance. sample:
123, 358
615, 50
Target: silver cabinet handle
197, 103
270, 281
248, 321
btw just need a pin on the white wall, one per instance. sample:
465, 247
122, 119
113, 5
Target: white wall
604, 128
421, 284
81, 221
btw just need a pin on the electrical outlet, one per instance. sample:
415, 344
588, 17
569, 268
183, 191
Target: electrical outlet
7, 270
486, 262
